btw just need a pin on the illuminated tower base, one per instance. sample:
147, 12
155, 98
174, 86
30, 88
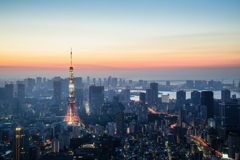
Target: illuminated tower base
72, 116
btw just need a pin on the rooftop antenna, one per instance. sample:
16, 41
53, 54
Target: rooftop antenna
71, 57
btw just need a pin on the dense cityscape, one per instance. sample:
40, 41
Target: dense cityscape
73, 118
119, 80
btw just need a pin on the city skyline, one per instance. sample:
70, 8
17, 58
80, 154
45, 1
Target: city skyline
125, 38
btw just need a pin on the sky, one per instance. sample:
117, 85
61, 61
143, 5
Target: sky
152, 39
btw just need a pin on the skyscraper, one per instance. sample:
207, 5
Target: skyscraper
120, 123
140, 82
230, 113
154, 87
207, 100
109, 80
39, 82
78, 82
31, 84
182, 115
114, 82
142, 113
21, 93
111, 94
72, 116
100, 81
233, 144
142, 97
21, 144
181, 98
120, 82
126, 95
189, 84
79, 96
2, 93
225, 93
16, 108
8, 92
96, 95
149, 95
57, 91
16, 87
195, 96
88, 80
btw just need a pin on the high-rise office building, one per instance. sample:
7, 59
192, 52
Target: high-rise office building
126, 95
16, 86
2, 93
203, 111
31, 84
16, 108
198, 84
142, 113
114, 82
109, 80
96, 95
140, 82
226, 94
144, 84
44, 81
120, 82
195, 97
233, 144
34, 152
57, 91
79, 96
88, 80
154, 87
181, 98
190, 84
142, 97
94, 81
182, 115
100, 81
21, 144
78, 82
39, 82
21, 93
105, 82
163, 126
120, 123
230, 113
8, 92
111, 94
207, 100
50, 84
149, 95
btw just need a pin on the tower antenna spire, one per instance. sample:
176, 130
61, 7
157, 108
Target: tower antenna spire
71, 57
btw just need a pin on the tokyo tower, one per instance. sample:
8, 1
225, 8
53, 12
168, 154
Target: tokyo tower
71, 116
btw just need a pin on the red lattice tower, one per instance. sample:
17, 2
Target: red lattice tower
72, 116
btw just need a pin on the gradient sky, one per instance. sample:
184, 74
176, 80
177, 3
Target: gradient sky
119, 36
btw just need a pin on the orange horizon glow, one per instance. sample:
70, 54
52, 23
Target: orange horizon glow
125, 61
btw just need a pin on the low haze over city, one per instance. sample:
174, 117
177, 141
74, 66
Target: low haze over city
119, 80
